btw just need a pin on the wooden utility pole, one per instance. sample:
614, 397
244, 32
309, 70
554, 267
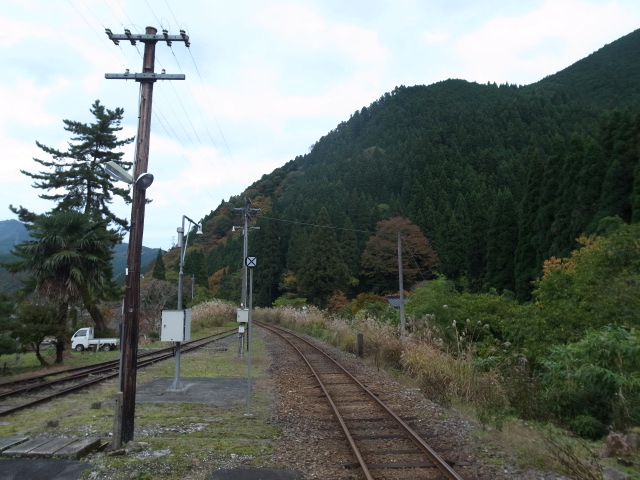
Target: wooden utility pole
132, 292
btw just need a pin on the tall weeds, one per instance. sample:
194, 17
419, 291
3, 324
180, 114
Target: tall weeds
214, 313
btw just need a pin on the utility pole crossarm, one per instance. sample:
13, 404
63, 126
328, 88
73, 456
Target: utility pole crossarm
144, 77
135, 37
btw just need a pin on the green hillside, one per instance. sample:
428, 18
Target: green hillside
498, 177
606, 77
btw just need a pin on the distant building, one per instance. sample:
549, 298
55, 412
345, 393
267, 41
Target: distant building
394, 300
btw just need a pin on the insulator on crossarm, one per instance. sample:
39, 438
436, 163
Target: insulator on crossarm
184, 36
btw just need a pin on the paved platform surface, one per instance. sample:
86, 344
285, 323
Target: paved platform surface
255, 474
215, 391
41, 469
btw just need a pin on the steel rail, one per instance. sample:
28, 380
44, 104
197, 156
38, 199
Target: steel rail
439, 463
345, 429
93, 367
102, 378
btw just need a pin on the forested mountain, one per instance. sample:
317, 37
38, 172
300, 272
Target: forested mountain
12, 232
497, 177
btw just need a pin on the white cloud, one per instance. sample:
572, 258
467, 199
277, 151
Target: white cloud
436, 37
14, 31
302, 26
526, 48
23, 102
257, 99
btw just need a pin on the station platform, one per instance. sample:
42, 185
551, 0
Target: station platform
213, 391
41, 468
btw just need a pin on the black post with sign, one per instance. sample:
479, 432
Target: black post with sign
251, 263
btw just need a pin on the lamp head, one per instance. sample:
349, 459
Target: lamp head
199, 232
144, 181
117, 173
180, 236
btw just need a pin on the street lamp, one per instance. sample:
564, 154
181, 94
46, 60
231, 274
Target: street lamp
182, 243
119, 174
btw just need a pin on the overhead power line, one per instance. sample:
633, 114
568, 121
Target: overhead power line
314, 224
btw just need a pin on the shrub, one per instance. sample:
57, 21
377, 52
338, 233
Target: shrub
288, 301
593, 383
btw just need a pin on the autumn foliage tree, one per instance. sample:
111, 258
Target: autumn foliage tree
380, 257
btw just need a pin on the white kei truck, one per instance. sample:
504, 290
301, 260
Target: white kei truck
83, 340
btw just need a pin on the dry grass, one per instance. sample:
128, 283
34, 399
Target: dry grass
212, 314
381, 342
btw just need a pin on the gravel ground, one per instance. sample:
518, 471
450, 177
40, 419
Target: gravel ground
309, 445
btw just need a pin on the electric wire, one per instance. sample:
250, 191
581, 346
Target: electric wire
174, 16
168, 103
192, 95
154, 13
126, 15
196, 103
97, 35
165, 124
313, 224
210, 107
413, 257
350, 230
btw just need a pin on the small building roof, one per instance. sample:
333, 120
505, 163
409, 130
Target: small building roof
394, 300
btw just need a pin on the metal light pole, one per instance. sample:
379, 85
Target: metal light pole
401, 288
249, 342
182, 243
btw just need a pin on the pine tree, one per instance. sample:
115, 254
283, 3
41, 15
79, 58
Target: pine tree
266, 246
194, 264
501, 243
322, 271
77, 176
635, 196
454, 253
350, 251
159, 270
526, 266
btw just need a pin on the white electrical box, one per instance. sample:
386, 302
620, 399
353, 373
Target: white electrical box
176, 325
241, 329
243, 315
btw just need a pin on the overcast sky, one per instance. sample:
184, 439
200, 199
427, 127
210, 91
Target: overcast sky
264, 79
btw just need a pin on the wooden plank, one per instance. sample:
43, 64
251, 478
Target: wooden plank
50, 448
79, 448
8, 442
26, 447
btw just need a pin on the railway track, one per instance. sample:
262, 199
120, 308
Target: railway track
383, 445
75, 379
